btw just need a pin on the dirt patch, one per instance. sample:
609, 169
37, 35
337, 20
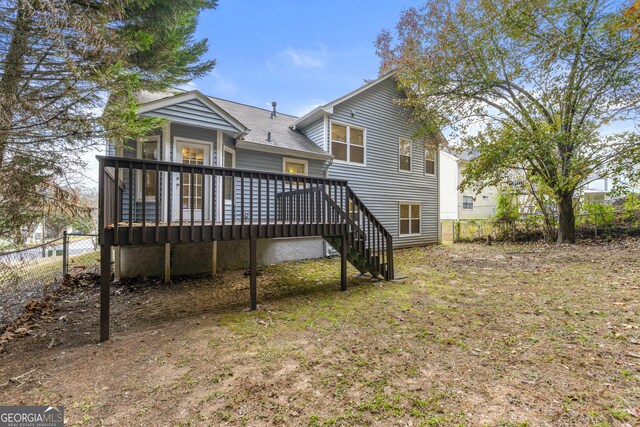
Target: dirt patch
500, 335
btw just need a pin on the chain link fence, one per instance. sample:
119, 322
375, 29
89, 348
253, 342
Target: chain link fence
605, 225
30, 273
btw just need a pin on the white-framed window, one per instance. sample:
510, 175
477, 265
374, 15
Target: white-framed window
295, 166
405, 152
467, 202
348, 143
429, 161
148, 149
410, 219
228, 161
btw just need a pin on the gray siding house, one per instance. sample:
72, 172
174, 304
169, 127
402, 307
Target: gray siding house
362, 144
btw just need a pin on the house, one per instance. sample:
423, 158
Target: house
470, 203
348, 177
363, 138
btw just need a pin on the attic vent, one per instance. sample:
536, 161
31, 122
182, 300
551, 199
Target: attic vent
274, 113
268, 136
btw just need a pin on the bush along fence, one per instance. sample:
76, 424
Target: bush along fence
30, 273
602, 224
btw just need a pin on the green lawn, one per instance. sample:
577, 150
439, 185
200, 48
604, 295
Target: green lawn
502, 335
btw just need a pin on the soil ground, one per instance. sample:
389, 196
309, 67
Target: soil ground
502, 335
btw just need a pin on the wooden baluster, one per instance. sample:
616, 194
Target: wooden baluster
223, 218
268, 184
131, 205
233, 204
242, 213
259, 203
157, 207
203, 203
297, 201
192, 182
180, 206
117, 203
144, 202
251, 235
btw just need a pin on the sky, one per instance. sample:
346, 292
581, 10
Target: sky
298, 53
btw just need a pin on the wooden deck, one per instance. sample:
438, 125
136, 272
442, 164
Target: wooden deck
195, 203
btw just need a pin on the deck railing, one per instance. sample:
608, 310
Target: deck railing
369, 237
241, 203
161, 202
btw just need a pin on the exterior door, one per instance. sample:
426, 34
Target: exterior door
192, 153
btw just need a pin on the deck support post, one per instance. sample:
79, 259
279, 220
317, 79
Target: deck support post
116, 264
253, 273
214, 258
167, 262
105, 299
343, 263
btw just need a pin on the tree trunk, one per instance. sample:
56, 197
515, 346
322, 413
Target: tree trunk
566, 219
12, 70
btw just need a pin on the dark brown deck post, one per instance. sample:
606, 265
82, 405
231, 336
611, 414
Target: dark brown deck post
105, 279
253, 273
343, 264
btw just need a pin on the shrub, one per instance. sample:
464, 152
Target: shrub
600, 215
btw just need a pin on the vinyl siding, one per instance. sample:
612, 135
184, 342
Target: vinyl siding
266, 162
380, 184
484, 203
193, 112
315, 132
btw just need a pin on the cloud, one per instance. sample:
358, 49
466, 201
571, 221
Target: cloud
307, 59
221, 87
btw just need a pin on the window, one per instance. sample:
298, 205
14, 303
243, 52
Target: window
192, 155
347, 143
405, 155
467, 202
410, 217
148, 149
295, 166
228, 161
429, 161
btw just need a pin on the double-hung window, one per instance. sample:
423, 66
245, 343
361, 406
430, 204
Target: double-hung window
405, 154
429, 161
148, 149
467, 202
410, 219
347, 143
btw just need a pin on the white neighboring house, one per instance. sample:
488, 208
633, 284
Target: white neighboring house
467, 204
598, 190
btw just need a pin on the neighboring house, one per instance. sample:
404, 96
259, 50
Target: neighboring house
467, 204
364, 138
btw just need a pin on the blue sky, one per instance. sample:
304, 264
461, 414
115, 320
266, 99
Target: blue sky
298, 53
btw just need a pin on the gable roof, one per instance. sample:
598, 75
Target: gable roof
318, 112
283, 137
254, 123
194, 108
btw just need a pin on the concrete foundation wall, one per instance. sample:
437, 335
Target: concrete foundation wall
196, 258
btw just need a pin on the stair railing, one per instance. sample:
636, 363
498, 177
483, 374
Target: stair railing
368, 236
